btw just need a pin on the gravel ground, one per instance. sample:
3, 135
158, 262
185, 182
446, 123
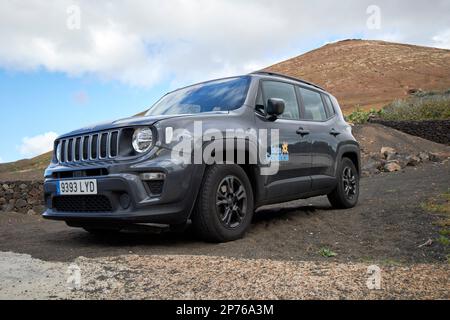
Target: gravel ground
22, 277
202, 277
206, 277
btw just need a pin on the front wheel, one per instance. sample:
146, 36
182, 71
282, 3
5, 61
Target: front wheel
346, 193
224, 208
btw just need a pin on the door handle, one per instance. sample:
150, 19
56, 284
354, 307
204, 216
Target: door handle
302, 132
335, 133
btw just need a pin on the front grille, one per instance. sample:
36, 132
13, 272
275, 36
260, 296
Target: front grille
88, 203
97, 146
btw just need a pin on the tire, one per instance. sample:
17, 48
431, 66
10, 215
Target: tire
346, 193
224, 207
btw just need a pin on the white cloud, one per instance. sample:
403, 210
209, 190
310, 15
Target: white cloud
141, 42
37, 145
442, 39
1, 160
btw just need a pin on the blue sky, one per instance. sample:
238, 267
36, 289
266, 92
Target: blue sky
69, 63
34, 103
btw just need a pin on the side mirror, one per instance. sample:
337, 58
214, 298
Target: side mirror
275, 107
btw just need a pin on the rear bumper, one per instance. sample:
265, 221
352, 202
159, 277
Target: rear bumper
172, 206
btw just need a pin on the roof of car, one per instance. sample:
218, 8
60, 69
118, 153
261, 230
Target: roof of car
279, 75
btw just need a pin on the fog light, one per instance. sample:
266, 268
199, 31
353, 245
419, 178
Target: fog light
149, 176
125, 201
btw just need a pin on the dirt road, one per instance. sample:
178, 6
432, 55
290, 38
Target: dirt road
387, 228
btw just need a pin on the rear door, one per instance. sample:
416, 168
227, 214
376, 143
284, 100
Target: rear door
322, 137
293, 150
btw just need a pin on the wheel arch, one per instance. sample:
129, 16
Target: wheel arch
351, 151
252, 170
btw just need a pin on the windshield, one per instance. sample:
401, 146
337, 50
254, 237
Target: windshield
218, 95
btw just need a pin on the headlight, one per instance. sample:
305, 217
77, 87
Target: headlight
58, 151
142, 139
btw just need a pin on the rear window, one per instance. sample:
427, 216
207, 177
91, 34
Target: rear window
314, 108
329, 105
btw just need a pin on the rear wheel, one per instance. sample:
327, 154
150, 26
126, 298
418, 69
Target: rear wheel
224, 208
346, 193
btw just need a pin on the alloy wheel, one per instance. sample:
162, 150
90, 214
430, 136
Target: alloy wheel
231, 202
349, 182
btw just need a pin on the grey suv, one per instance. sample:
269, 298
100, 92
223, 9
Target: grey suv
158, 169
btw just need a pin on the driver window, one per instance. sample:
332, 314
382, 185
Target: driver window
285, 91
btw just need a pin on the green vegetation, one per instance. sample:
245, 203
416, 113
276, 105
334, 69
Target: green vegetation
441, 207
422, 105
359, 116
444, 240
327, 253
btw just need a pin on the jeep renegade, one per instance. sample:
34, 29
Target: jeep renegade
106, 177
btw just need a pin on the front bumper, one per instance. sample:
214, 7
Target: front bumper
172, 206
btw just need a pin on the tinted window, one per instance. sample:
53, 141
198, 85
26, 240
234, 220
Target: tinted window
314, 108
219, 95
280, 90
329, 105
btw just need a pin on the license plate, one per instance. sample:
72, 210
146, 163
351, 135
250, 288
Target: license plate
77, 187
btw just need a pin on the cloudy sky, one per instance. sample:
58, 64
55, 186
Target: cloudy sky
66, 64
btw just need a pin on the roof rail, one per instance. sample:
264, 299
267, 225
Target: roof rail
287, 77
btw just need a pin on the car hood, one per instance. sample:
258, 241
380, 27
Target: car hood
134, 121
126, 122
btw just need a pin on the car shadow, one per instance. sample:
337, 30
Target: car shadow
149, 236
263, 215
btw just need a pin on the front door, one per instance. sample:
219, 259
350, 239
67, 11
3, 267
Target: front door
293, 150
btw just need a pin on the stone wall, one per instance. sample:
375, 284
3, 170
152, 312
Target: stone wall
433, 130
22, 196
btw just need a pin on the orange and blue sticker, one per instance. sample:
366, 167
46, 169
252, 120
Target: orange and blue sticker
279, 154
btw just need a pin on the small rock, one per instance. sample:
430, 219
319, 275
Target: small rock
401, 158
437, 157
23, 186
21, 203
2, 201
427, 244
413, 161
392, 166
5, 187
424, 156
31, 212
10, 206
387, 151
34, 192
389, 156
39, 209
372, 166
